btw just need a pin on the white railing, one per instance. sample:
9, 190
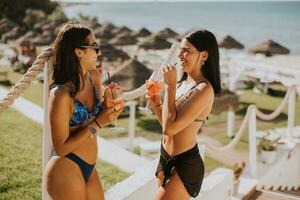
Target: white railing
47, 141
250, 119
238, 68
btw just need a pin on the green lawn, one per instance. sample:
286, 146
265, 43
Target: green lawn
21, 159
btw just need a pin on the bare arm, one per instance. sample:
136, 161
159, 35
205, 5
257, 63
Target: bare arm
169, 108
200, 100
156, 105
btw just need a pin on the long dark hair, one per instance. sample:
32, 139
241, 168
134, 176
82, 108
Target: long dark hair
66, 65
204, 40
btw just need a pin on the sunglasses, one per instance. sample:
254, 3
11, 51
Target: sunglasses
95, 46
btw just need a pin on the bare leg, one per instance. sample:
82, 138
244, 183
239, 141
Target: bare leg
64, 179
174, 190
94, 188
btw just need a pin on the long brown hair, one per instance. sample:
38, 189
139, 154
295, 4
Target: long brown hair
66, 65
204, 40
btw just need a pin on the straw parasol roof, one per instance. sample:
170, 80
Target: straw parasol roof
103, 34
41, 40
44, 39
143, 32
229, 42
6, 25
105, 31
124, 39
131, 75
13, 34
24, 41
269, 48
110, 53
225, 101
167, 33
108, 27
49, 26
30, 34
123, 29
154, 42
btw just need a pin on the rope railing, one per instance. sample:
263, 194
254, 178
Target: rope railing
237, 137
259, 114
36, 68
279, 109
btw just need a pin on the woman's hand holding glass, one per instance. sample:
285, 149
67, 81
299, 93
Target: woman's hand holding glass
113, 105
112, 96
153, 93
153, 87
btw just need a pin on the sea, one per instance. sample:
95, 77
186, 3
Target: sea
248, 22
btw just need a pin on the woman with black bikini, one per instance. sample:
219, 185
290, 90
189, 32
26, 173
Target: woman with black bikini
185, 107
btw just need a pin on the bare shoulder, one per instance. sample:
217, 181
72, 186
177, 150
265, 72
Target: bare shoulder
60, 96
205, 89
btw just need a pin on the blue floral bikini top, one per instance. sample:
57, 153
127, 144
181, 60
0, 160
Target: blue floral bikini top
81, 113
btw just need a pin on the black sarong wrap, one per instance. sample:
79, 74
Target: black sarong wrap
189, 167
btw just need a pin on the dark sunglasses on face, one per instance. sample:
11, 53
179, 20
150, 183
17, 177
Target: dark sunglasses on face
96, 47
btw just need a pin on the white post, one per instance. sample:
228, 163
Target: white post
231, 113
131, 126
291, 113
230, 122
47, 143
252, 142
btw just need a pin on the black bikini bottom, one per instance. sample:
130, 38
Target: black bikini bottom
189, 167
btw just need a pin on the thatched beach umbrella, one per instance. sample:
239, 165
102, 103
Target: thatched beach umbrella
95, 25
131, 75
143, 32
24, 41
30, 34
224, 102
13, 34
123, 29
49, 26
167, 33
108, 27
6, 25
269, 48
103, 34
154, 42
42, 40
123, 39
110, 53
229, 42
